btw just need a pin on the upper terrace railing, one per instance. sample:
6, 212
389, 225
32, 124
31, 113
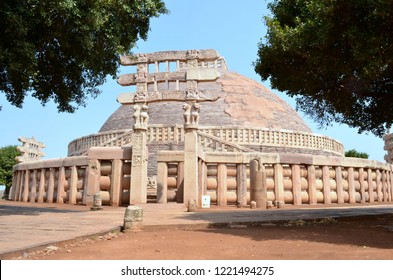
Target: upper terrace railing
275, 138
245, 136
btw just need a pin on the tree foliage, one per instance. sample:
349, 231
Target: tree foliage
62, 50
356, 154
7, 162
335, 57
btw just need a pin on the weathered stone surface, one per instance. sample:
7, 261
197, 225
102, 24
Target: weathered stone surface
133, 216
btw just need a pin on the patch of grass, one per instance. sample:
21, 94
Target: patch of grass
294, 223
324, 221
314, 222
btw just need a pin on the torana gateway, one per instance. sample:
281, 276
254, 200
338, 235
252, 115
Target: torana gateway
191, 129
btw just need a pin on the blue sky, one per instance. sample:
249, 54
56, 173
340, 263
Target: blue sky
233, 28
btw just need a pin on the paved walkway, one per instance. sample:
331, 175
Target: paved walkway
24, 226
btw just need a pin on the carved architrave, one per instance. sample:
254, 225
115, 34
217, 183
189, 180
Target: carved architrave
167, 95
207, 54
141, 57
193, 54
140, 96
192, 94
142, 68
192, 63
141, 77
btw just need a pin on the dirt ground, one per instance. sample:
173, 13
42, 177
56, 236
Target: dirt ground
349, 238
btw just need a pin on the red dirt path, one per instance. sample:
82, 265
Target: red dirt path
350, 238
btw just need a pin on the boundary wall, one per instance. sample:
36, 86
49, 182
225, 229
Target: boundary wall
289, 179
75, 180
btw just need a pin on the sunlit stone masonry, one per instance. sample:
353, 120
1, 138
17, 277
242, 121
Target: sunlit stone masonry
188, 129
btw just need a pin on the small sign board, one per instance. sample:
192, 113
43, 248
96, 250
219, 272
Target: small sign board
205, 201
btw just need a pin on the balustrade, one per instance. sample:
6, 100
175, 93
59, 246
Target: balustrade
237, 137
293, 179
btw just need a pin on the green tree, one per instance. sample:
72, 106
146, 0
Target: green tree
356, 154
335, 57
7, 162
62, 50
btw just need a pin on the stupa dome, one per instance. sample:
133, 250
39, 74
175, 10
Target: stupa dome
241, 102
234, 113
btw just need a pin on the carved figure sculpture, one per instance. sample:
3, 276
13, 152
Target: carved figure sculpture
137, 115
195, 114
187, 113
144, 116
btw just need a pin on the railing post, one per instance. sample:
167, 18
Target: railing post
180, 182
389, 179
92, 181
51, 186
41, 188
60, 185
279, 184
258, 192
16, 195
326, 185
311, 185
361, 181
73, 185
162, 182
339, 185
117, 175
202, 181
33, 187
384, 186
241, 188
370, 185
379, 186
296, 185
222, 185
25, 194
351, 185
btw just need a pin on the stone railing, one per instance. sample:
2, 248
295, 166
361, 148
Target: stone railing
163, 133
290, 179
114, 138
75, 180
275, 138
245, 137
209, 142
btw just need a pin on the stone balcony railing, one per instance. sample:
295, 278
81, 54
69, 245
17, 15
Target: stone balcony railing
246, 137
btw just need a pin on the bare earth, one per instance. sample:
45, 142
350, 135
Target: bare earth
347, 238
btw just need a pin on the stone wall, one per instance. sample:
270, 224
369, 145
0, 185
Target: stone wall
290, 179
75, 180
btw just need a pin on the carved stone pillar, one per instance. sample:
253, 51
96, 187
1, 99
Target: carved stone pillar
191, 117
138, 186
258, 192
